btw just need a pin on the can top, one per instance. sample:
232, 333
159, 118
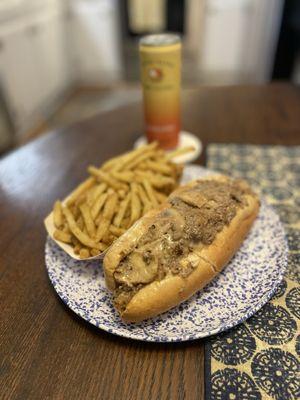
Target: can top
160, 39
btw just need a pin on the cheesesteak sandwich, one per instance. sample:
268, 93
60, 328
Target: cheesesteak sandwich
176, 249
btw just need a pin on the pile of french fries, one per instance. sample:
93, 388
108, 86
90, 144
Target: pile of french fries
114, 197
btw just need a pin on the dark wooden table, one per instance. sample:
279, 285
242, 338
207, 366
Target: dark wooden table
47, 352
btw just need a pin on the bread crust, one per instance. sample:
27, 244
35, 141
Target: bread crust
126, 243
159, 296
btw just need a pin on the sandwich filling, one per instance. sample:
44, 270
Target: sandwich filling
195, 216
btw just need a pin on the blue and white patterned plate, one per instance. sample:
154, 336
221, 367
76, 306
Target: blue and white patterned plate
243, 287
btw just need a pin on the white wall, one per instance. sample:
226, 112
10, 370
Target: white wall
94, 40
239, 40
33, 64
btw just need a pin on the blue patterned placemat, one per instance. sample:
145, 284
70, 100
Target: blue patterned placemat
259, 359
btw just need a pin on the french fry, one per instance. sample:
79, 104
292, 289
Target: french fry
156, 180
149, 190
95, 252
108, 213
142, 165
57, 214
62, 236
120, 160
99, 202
163, 183
177, 171
116, 231
128, 211
133, 155
83, 187
65, 228
135, 204
122, 209
106, 178
98, 220
80, 222
80, 200
102, 229
160, 154
84, 253
147, 208
161, 198
139, 159
125, 223
90, 195
144, 199
121, 194
83, 238
74, 240
94, 193
143, 195
126, 176
75, 211
160, 167
99, 190
180, 152
88, 220
109, 164
110, 207
108, 238
77, 248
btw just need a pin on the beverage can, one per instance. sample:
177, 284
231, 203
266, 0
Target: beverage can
160, 62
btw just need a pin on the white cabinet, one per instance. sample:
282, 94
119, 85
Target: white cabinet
239, 39
226, 30
47, 42
94, 33
18, 74
33, 64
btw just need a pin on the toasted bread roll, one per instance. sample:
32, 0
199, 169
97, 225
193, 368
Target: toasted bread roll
176, 249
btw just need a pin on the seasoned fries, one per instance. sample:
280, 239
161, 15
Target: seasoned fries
147, 205
84, 253
99, 202
161, 198
122, 210
116, 231
114, 197
88, 220
57, 214
179, 152
83, 187
94, 194
136, 208
77, 232
150, 192
62, 236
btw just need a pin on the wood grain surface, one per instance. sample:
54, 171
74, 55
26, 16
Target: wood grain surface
47, 352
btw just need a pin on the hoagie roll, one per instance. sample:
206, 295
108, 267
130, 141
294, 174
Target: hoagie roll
176, 249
